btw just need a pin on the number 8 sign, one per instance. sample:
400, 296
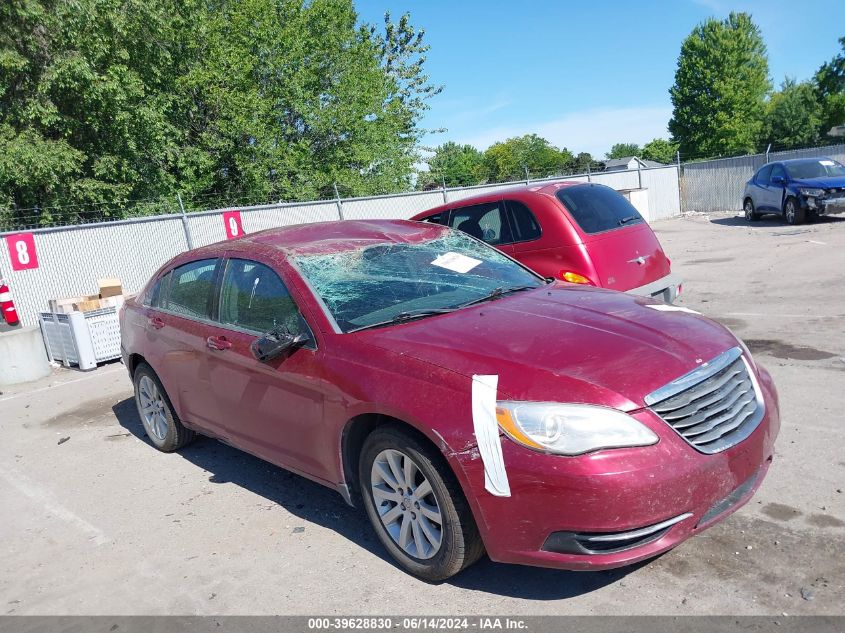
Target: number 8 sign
232, 224
22, 251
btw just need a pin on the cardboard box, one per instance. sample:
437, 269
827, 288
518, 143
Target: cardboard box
63, 306
88, 305
112, 302
110, 288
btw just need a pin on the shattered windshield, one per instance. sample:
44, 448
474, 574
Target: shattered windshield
392, 282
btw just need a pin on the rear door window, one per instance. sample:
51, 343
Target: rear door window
191, 289
253, 297
483, 221
156, 295
524, 225
597, 208
438, 218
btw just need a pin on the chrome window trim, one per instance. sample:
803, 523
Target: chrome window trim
697, 375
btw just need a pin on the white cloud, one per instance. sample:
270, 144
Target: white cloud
593, 131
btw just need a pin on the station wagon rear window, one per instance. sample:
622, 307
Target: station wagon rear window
597, 208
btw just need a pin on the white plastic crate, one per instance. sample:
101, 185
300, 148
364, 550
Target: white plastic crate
81, 338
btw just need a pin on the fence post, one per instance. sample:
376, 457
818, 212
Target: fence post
185, 226
639, 175
678, 169
527, 177
767, 153
338, 202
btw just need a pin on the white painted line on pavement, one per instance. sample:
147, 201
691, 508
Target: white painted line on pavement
32, 491
785, 316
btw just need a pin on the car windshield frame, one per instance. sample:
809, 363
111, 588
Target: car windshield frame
346, 283
838, 169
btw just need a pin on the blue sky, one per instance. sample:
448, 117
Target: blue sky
585, 74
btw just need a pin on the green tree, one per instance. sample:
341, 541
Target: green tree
621, 150
104, 101
508, 160
456, 165
85, 94
721, 83
583, 162
830, 87
660, 150
794, 116
292, 97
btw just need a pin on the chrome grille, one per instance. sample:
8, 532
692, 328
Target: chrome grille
713, 407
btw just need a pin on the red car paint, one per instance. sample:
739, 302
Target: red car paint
609, 259
558, 343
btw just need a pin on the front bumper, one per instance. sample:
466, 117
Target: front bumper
666, 288
557, 503
826, 206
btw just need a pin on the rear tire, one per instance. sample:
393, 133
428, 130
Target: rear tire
792, 211
162, 425
750, 214
407, 473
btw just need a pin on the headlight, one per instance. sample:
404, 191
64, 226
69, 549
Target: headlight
570, 429
812, 193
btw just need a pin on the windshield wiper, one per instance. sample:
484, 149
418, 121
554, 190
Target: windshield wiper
495, 294
630, 218
403, 317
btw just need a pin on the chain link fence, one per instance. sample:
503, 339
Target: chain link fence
718, 185
70, 259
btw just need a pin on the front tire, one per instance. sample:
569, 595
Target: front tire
792, 211
162, 425
416, 506
750, 214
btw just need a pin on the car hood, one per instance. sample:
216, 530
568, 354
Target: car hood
564, 343
826, 182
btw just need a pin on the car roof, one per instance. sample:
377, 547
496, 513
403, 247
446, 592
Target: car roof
330, 237
548, 188
794, 161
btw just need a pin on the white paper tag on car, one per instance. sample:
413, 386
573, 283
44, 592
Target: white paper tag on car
457, 262
665, 307
827, 163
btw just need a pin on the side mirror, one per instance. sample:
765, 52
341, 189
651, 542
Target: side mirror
275, 343
778, 180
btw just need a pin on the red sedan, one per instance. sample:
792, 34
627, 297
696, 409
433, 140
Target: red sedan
467, 403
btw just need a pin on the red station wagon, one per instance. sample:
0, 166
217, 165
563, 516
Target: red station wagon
466, 402
578, 232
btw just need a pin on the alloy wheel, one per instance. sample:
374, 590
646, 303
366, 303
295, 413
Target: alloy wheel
790, 212
406, 504
153, 408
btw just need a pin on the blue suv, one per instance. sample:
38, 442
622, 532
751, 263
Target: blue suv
801, 189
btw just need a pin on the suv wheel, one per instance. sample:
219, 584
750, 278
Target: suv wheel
793, 212
750, 214
416, 506
163, 426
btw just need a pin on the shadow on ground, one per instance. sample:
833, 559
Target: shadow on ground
772, 221
314, 503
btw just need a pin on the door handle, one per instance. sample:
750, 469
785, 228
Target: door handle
218, 342
156, 322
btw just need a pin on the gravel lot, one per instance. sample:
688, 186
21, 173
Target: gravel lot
101, 523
